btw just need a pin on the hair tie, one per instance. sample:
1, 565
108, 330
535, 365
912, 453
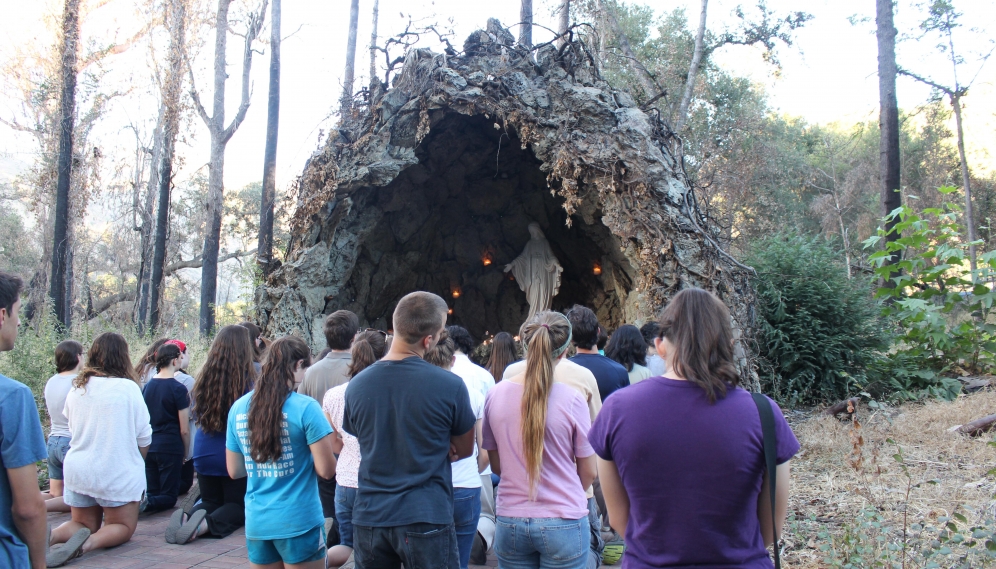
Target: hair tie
545, 326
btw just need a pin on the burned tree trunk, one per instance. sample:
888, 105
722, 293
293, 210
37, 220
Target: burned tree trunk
349, 75
62, 272
264, 251
526, 23
888, 121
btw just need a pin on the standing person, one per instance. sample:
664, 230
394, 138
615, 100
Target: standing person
610, 375
187, 471
329, 372
105, 467
68, 363
536, 432
258, 343
279, 439
627, 348
503, 354
654, 362
169, 414
467, 471
681, 456
22, 444
411, 419
228, 373
368, 347
146, 367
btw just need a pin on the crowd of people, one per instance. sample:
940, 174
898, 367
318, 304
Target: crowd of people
396, 449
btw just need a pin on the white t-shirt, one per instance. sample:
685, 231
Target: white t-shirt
188, 381
465, 473
638, 374
656, 365
347, 470
477, 378
109, 421
56, 389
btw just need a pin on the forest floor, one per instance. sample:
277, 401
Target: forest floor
851, 498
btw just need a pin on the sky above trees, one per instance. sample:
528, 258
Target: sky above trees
828, 76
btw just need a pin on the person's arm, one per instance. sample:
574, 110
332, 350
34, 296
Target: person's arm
616, 499
482, 457
28, 511
462, 446
587, 470
782, 483
321, 451
337, 438
236, 464
144, 451
184, 415
495, 461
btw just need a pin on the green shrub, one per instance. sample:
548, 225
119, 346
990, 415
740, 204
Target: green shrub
942, 312
820, 330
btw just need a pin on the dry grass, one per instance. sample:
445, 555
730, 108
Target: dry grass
844, 469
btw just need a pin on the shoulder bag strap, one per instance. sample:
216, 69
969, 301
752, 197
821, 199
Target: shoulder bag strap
770, 458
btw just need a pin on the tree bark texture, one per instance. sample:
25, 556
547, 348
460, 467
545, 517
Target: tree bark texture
220, 135
171, 121
978, 426
888, 122
264, 251
563, 21
349, 74
373, 46
61, 270
965, 180
146, 209
526, 23
693, 70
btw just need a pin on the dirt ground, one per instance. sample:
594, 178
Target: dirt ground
845, 479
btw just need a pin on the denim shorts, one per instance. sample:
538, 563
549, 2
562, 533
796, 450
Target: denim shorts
83, 501
344, 498
304, 548
57, 449
560, 543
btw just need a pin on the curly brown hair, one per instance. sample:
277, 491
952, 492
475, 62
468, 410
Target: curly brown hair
226, 375
108, 357
148, 361
274, 386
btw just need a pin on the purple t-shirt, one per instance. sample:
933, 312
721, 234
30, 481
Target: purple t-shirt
693, 473
558, 491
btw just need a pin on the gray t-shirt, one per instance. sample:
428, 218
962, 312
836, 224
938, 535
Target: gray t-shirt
56, 389
331, 371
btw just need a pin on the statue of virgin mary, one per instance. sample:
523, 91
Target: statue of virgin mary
537, 271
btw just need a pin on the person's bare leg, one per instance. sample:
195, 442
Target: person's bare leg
317, 564
277, 565
338, 555
53, 498
119, 526
81, 518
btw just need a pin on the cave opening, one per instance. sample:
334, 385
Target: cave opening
450, 223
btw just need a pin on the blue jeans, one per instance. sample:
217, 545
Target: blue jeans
419, 545
466, 512
57, 449
344, 498
542, 543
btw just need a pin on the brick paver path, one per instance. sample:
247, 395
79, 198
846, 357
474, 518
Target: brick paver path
148, 549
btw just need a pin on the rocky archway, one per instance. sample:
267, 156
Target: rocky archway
450, 223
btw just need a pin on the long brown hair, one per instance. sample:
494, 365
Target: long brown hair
502, 354
546, 336
254, 332
108, 357
148, 360
368, 347
226, 375
274, 385
698, 326
441, 355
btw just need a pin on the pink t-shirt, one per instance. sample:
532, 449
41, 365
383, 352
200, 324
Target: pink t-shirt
558, 491
348, 468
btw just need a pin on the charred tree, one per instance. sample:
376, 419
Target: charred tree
349, 74
176, 18
220, 135
563, 21
264, 251
526, 23
62, 274
373, 48
888, 121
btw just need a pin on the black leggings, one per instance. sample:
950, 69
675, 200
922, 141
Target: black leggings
224, 500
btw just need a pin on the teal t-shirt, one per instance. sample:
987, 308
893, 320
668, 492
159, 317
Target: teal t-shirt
281, 497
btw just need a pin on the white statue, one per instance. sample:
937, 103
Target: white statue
537, 271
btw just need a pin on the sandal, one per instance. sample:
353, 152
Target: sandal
190, 500
64, 553
189, 529
175, 522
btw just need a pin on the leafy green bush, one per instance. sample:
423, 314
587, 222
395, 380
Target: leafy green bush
820, 329
941, 310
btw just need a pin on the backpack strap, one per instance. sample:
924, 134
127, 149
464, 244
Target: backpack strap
770, 458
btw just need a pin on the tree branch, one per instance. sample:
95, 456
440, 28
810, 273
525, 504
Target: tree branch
198, 262
947, 91
255, 24
197, 99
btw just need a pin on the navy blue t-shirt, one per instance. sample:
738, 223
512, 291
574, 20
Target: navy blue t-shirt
403, 413
609, 374
165, 398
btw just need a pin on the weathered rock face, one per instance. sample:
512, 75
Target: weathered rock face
449, 166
